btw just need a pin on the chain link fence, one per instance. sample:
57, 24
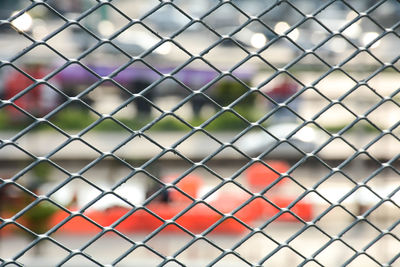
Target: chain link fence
199, 133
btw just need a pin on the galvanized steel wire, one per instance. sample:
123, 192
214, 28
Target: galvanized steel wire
13, 260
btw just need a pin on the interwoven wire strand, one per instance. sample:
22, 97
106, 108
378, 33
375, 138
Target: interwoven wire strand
14, 260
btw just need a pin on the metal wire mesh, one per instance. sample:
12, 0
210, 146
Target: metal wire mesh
340, 154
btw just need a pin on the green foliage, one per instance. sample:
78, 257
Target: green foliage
73, 119
228, 91
227, 121
37, 218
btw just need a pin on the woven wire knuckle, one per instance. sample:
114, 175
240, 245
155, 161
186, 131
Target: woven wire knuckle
199, 133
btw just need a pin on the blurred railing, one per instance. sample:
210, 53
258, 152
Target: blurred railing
199, 133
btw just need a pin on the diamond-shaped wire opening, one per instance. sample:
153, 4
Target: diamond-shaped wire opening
385, 14
107, 98
384, 215
189, 184
16, 81
40, 177
336, 50
71, 11
199, 35
284, 256
391, 110
253, 71
75, 149
170, 123
141, 254
12, 230
169, 240
280, 46
10, 9
200, 251
264, 246
14, 42
101, 252
383, 48
225, 19
141, 222
12, 152
226, 90
311, 33
380, 249
360, 201
309, 61
66, 117
170, 94
361, 100
336, 15
39, 28
336, 220
136, 39
384, 182
381, 82
352, 167
75, 194
335, 118
106, 52
78, 41
107, 209
253, 36
39, 217
194, 8
96, 135
16, 198
52, 252
198, 146
78, 259
359, 235
360, 32
387, 142
170, 55
328, 85
40, 100
107, 20
335, 187
139, 111
233, 52
13, 120
224, 168
314, 239
361, 66
157, 167
138, 148
310, 102
140, 183
362, 259
244, 106
198, 218
336, 147
262, 175
167, 19
278, 12
196, 74
39, 61
73, 80
140, 9
337, 253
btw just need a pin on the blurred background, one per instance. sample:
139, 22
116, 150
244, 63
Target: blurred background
133, 78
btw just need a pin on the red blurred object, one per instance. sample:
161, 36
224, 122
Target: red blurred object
201, 216
190, 184
260, 176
